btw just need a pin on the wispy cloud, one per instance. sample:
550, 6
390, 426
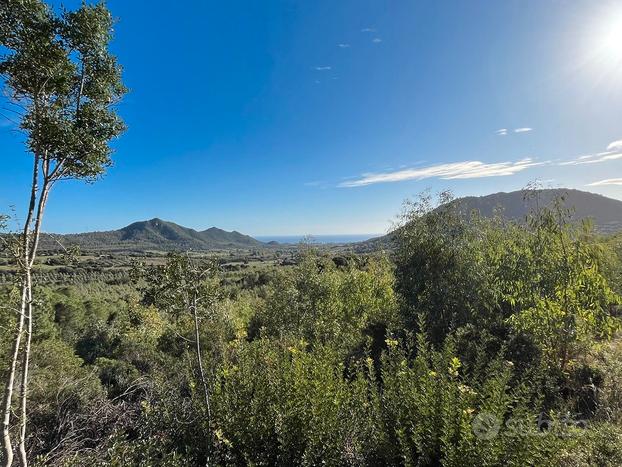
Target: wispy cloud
343, 46
477, 169
595, 158
613, 152
608, 181
376, 40
505, 131
451, 171
616, 146
323, 68
368, 30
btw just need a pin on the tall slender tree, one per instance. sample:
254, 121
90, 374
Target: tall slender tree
185, 287
62, 84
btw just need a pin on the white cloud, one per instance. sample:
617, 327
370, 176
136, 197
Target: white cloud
343, 46
613, 152
609, 181
505, 131
368, 30
616, 146
604, 157
377, 40
451, 171
323, 68
477, 169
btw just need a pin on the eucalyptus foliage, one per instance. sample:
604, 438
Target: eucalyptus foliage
61, 85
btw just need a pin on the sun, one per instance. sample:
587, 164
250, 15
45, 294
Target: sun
611, 41
599, 41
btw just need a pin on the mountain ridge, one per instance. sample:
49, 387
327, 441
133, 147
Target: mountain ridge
605, 212
158, 234
153, 234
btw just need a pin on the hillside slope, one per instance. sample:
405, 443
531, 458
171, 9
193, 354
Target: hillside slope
154, 234
606, 213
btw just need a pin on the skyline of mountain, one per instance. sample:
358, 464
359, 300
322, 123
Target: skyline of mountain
159, 234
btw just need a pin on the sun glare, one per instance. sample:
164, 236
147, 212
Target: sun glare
598, 55
608, 46
611, 43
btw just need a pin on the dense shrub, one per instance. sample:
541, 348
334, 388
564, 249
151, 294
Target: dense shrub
479, 342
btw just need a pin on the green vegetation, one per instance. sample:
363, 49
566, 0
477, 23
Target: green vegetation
154, 234
61, 85
475, 341
479, 341
160, 236
605, 213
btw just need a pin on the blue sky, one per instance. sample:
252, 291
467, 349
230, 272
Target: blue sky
321, 117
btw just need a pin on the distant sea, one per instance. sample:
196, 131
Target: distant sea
323, 239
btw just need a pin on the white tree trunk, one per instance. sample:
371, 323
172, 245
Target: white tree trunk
7, 447
24, 383
25, 261
200, 359
32, 254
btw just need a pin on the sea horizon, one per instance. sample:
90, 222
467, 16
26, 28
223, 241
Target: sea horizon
320, 239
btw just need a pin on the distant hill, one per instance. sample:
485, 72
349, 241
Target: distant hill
606, 213
154, 234
157, 234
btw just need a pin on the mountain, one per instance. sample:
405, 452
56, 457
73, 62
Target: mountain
606, 213
154, 234
157, 234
